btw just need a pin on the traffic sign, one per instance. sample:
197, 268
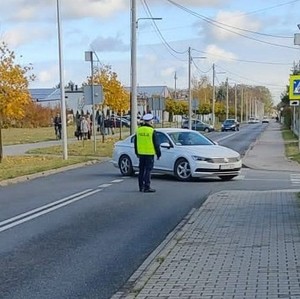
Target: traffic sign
294, 92
294, 103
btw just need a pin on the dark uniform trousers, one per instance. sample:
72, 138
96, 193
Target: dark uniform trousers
146, 163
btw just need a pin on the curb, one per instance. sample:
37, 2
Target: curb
49, 172
141, 276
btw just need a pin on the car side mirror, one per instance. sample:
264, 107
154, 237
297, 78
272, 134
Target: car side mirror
165, 145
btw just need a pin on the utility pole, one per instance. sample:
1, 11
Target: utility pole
235, 101
214, 97
133, 100
227, 99
242, 104
175, 93
190, 90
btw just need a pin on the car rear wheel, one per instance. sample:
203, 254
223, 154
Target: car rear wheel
227, 177
206, 130
182, 170
125, 166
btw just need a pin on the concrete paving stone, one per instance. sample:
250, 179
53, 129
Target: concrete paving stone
257, 260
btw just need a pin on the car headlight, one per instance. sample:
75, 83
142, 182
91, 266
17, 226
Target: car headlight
199, 158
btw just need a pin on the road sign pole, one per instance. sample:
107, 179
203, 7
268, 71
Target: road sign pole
299, 128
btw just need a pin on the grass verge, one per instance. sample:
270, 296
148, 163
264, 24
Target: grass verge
49, 158
291, 145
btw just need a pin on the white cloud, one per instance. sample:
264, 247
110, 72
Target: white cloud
21, 35
93, 8
215, 53
167, 72
48, 76
109, 44
33, 10
198, 3
233, 20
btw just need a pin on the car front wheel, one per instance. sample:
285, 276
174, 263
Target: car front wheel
182, 170
125, 166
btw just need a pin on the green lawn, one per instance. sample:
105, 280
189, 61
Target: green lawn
20, 136
43, 159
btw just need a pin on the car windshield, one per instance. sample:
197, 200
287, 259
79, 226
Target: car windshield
229, 121
189, 138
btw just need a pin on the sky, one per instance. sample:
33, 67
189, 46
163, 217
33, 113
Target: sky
249, 42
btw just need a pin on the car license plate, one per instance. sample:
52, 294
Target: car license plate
227, 166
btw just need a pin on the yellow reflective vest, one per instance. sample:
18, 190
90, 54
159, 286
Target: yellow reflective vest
144, 142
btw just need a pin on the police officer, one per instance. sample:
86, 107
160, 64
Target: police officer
146, 147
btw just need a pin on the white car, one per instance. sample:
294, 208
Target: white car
184, 153
265, 120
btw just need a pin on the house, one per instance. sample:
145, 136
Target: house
151, 98
51, 97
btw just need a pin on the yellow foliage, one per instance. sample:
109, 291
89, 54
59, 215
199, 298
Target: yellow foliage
115, 95
14, 94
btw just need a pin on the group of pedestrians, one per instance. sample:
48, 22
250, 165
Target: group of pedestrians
106, 125
83, 127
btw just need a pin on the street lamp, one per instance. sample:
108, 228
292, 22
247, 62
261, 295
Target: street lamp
133, 103
62, 86
214, 94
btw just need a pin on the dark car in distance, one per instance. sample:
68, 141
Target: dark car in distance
197, 125
230, 124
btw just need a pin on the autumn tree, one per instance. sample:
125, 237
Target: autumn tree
176, 107
115, 95
14, 94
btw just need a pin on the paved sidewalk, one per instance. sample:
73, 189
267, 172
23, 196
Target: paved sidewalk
21, 149
239, 244
268, 152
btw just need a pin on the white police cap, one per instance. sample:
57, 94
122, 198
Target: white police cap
148, 117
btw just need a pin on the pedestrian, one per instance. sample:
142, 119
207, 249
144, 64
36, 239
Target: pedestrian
107, 125
57, 126
78, 133
112, 124
84, 127
146, 147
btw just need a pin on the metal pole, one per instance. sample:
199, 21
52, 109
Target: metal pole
214, 97
133, 103
242, 104
235, 102
62, 87
299, 128
190, 90
227, 96
175, 92
93, 101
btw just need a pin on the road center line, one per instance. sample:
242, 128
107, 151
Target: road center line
45, 209
104, 185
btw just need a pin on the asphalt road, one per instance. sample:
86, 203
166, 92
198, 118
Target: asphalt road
83, 232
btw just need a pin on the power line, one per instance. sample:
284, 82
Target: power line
244, 60
168, 46
217, 24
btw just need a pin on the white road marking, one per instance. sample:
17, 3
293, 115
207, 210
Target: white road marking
45, 209
295, 178
117, 181
104, 185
